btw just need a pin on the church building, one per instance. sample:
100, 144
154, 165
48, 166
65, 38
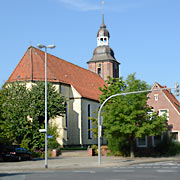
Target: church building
79, 86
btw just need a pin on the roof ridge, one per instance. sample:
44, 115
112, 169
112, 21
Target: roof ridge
172, 98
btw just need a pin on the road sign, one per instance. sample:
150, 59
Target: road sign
49, 136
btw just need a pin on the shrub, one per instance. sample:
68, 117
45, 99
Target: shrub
168, 147
53, 144
95, 147
119, 146
53, 131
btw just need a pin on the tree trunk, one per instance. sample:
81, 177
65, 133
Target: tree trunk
132, 150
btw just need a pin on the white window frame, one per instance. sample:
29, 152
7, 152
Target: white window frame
160, 114
137, 142
150, 113
177, 135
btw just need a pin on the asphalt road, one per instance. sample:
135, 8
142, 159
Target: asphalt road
147, 171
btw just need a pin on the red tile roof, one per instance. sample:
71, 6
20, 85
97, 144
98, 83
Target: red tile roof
171, 97
31, 68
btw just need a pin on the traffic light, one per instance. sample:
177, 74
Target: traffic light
177, 89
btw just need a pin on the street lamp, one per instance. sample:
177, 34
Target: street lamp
46, 124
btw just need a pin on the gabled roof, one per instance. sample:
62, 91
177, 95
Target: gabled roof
32, 68
170, 96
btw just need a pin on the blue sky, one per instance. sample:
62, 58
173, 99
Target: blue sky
145, 34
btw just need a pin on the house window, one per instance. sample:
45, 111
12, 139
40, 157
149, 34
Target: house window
156, 140
89, 123
141, 142
150, 113
164, 111
174, 136
156, 97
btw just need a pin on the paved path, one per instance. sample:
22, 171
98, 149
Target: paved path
77, 160
152, 171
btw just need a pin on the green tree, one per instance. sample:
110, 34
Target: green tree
14, 104
55, 107
22, 112
55, 102
3, 138
126, 118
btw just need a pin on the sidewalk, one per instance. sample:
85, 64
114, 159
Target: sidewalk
76, 160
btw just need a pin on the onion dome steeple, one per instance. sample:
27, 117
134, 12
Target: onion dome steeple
103, 61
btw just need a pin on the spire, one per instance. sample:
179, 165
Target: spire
103, 25
103, 18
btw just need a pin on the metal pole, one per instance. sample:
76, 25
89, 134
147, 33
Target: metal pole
46, 120
99, 115
46, 140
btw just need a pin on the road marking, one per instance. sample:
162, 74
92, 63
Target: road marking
175, 167
131, 167
124, 170
116, 179
84, 171
166, 171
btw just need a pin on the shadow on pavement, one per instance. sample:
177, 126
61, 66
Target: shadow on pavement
12, 174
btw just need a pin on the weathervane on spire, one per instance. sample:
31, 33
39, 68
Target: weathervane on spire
102, 2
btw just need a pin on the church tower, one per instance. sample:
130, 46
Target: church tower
103, 61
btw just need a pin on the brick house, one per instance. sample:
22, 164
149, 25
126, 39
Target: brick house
163, 101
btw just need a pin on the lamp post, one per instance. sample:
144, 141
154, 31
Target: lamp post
46, 124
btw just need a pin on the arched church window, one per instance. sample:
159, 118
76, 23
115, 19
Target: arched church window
90, 135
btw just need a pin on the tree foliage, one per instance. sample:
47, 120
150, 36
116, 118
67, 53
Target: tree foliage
126, 118
14, 107
22, 112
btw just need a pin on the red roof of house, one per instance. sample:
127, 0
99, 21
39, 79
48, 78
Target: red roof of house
32, 68
171, 97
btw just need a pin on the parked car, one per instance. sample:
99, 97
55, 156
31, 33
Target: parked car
16, 154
